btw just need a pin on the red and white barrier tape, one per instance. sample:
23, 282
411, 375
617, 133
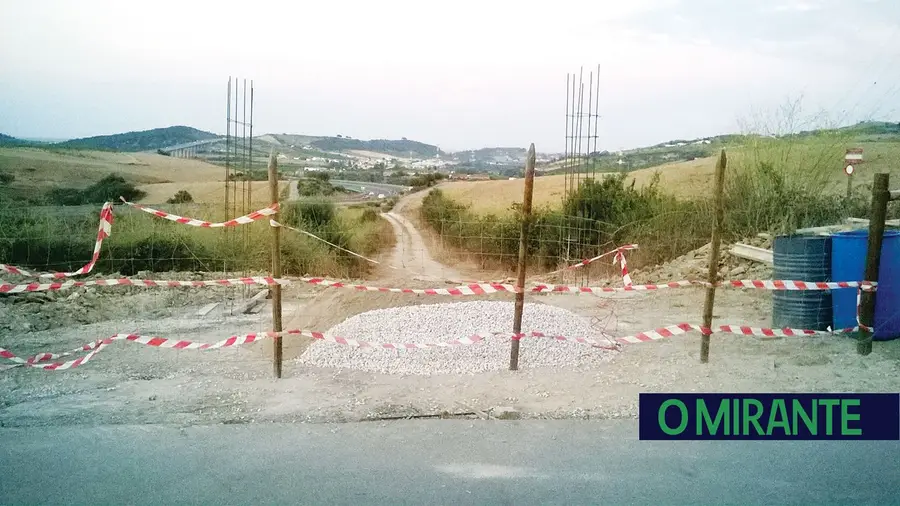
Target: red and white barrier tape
160, 342
35, 361
661, 333
104, 230
46, 356
620, 257
609, 289
391, 346
146, 283
241, 220
859, 322
472, 289
462, 290
617, 252
783, 284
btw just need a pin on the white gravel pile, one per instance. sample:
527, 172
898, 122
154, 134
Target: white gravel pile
444, 322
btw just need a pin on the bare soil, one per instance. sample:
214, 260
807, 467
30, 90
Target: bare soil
130, 383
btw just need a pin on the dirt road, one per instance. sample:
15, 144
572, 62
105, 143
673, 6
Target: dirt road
410, 257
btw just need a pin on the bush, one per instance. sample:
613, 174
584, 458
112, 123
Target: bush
767, 192
313, 214
108, 189
315, 186
62, 240
764, 192
321, 176
6, 178
599, 216
181, 197
388, 204
368, 215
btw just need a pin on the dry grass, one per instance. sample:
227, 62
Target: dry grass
160, 176
825, 158
680, 179
80, 167
212, 192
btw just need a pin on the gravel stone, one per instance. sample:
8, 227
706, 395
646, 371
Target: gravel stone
444, 322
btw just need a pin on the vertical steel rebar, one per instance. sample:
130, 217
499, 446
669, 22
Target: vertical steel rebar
566, 149
597, 109
250, 187
227, 146
235, 144
590, 103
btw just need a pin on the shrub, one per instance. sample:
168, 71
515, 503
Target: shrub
181, 197
314, 214
62, 240
368, 215
321, 176
600, 215
314, 186
6, 178
108, 189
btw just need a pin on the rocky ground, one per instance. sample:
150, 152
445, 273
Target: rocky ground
132, 383
694, 265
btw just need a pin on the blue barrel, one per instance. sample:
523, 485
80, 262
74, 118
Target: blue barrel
848, 254
802, 258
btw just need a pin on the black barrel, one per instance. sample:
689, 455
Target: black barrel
802, 258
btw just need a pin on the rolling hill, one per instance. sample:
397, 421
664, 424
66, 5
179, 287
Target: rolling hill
813, 158
145, 140
8, 140
400, 148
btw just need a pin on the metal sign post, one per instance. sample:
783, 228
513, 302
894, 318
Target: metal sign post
853, 156
849, 171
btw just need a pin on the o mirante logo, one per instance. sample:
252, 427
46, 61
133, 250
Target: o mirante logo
770, 416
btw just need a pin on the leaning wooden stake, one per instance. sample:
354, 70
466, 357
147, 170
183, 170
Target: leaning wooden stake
523, 248
276, 269
880, 197
715, 245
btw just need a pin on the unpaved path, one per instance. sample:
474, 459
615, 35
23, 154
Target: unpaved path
410, 258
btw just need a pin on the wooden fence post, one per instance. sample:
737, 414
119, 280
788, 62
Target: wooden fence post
523, 250
880, 197
715, 245
276, 269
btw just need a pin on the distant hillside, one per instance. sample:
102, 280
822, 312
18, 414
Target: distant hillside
866, 130
402, 147
497, 155
8, 140
683, 150
145, 140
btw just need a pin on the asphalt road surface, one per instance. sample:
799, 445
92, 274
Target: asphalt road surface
431, 462
364, 187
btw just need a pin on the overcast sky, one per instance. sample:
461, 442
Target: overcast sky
462, 74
